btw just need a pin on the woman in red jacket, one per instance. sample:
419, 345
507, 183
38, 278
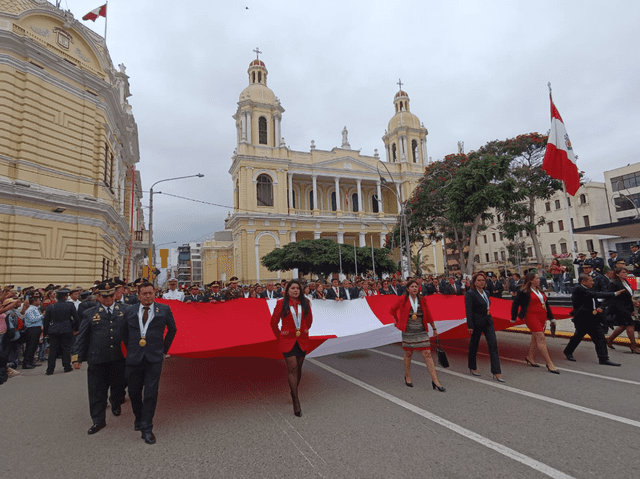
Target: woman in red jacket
412, 317
293, 338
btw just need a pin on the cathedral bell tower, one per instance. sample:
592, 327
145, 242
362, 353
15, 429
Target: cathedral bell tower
259, 111
406, 138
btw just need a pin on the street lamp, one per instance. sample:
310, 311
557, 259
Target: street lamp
152, 259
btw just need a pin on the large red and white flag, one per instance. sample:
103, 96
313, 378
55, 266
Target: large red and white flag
98, 12
559, 160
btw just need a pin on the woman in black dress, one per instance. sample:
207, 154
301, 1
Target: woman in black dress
621, 308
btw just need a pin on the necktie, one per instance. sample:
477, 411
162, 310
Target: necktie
108, 313
145, 315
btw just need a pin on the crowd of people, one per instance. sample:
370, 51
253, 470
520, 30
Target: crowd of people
78, 325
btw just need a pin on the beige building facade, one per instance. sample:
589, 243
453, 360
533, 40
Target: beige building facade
69, 190
282, 195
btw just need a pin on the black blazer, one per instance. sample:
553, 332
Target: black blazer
522, 301
61, 318
476, 309
276, 294
620, 306
157, 343
99, 340
331, 294
582, 300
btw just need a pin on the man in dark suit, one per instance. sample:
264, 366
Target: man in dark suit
335, 292
147, 346
348, 292
587, 317
60, 321
270, 292
498, 287
396, 287
99, 343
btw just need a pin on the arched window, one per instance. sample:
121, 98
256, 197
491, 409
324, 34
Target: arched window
264, 190
334, 203
262, 130
259, 77
401, 106
414, 150
311, 200
394, 153
375, 206
354, 202
583, 199
253, 77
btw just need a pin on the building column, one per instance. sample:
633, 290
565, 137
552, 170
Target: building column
292, 236
243, 126
314, 180
290, 177
386, 147
382, 238
277, 132
359, 184
257, 263
340, 237
337, 183
249, 139
399, 192
379, 194
363, 239
316, 235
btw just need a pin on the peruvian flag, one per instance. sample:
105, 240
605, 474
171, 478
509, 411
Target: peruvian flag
98, 12
559, 160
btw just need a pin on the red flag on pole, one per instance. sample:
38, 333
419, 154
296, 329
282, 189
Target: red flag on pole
98, 12
559, 160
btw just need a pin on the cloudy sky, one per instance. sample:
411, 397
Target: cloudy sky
475, 71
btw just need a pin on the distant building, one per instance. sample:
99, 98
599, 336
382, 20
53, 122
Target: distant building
68, 155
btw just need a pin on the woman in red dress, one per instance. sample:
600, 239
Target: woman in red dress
411, 316
531, 306
293, 338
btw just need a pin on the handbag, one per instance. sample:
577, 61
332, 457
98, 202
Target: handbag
442, 356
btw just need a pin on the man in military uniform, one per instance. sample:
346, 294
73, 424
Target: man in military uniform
60, 321
580, 262
233, 291
214, 296
634, 259
596, 262
173, 292
99, 343
194, 295
132, 297
87, 302
599, 281
613, 259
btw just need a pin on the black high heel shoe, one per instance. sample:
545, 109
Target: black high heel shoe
439, 388
408, 383
474, 373
533, 365
552, 371
500, 380
296, 406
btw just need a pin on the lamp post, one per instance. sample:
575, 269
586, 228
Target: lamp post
152, 259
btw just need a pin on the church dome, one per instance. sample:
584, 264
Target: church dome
258, 91
403, 117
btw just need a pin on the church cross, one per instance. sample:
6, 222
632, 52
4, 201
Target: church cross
257, 52
400, 84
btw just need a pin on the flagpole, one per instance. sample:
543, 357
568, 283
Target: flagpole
373, 259
340, 256
573, 244
105, 21
355, 256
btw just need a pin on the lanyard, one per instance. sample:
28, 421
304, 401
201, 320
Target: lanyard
539, 295
144, 327
297, 315
414, 304
627, 287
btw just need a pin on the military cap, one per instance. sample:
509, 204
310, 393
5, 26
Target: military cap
635, 245
64, 291
118, 281
233, 278
611, 251
215, 284
194, 286
106, 289
85, 294
593, 252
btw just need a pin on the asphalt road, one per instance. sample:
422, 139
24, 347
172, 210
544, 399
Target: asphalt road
232, 418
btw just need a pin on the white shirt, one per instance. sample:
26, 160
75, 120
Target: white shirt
141, 312
173, 294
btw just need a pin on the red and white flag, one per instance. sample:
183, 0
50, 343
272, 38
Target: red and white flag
559, 160
98, 12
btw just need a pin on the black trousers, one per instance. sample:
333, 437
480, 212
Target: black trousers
492, 343
101, 377
144, 377
594, 330
31, 337
59, 342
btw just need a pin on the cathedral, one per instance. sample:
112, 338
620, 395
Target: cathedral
282, 196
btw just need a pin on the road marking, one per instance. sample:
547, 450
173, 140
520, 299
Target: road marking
499, 448
593, 375
557, 402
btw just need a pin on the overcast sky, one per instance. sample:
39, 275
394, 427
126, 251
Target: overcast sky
475, 71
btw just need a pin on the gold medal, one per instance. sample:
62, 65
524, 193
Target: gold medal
595, 311
414, 316
544, 306
143, 342
298, 333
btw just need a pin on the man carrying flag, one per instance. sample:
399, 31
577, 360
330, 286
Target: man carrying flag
559, 160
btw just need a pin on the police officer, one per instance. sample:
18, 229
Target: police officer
60, 321
87, 302
634, 259
233, 291
596, 262
613, 259
580, 262
99, 343
599, 282
214, 296
195, 296
173, 292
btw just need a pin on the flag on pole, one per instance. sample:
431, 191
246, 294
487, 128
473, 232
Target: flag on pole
559, 159
98, 12
355, 256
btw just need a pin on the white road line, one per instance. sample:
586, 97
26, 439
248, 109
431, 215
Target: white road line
593, 375
557, 402
499, 448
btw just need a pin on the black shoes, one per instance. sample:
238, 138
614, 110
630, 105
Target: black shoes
552, 371
439, 388
49, 373
116, 410
28, 366
149, 437
96, 427
474, 373
532, 364
606, 362
407, 382
137, 427
499, 379
570, 357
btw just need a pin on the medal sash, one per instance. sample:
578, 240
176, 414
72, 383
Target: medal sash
297, 317
540, 297
143, 328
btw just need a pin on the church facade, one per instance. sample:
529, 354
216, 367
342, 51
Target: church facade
282, 196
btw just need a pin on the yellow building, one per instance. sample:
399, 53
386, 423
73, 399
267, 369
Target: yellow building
282, 195
68, 150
